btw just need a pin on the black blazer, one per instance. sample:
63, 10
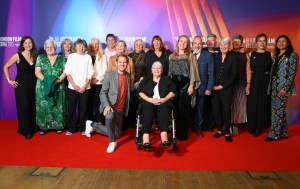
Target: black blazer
165, 86
226, 72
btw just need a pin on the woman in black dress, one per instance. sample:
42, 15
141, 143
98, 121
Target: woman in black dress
24, 85
259, 111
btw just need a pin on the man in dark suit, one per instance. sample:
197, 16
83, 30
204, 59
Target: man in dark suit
206, 71
114, 96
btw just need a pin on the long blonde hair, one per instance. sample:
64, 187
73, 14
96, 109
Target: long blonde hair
100, 50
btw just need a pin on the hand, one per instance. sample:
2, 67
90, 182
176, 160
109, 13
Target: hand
207, 92
56, 82
13, 83
154, 101
282, 93
94, 80
76, 88
82, 89
218, 88
161, 101
248, 90
107, 110
190, 90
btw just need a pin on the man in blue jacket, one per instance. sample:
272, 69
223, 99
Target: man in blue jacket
206, 71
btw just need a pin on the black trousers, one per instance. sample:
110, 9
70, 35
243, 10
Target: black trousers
96, 104
221, 102
148, 113
80, 99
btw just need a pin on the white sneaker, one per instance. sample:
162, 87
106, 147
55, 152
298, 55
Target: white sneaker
83, 133
88, 128
68, 133
111, 147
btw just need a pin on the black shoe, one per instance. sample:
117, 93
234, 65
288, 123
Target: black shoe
165, 143
28, 137
218, 134
256, 133
210, 130
269, 139
147, 146
228, 138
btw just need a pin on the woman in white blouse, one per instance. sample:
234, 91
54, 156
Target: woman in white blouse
100, 67
79, 70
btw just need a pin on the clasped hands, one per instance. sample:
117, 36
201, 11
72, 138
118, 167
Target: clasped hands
157, 101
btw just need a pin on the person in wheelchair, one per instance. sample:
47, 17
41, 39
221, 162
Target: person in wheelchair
156, 91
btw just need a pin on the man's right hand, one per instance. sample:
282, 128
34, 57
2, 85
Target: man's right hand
107, 110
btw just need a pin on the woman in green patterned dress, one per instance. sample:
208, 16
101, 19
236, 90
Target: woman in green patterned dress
50, 91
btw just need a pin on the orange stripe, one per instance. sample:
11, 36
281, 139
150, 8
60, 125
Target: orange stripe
219, 18
188, 18
199, 17
178, 20
209, 18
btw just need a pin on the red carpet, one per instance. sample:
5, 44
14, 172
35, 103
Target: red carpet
244, 153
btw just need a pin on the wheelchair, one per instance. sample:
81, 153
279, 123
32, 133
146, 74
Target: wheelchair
172, 129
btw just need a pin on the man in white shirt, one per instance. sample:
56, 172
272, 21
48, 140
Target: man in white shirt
110, 50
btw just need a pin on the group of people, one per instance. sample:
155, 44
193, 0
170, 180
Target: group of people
85, 88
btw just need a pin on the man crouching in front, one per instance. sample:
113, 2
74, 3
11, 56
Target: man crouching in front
114, 97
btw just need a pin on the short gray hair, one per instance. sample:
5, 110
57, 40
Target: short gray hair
157, 63
225, 40
50, 40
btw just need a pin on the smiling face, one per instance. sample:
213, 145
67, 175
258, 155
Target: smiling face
94, 46
261, 43
111, 42
156, 69
282, 43
67, 46
156, 44
27, 44
80, 48
120, 48
121, 63
236, 44
50, 48
182, 43
138, 46
224, 47
197, 44
211, 42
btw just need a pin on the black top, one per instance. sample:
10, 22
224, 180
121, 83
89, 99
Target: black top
163, 59
140, 68
226, 71
165, 86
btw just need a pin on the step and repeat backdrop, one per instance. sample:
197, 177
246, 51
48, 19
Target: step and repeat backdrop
142, 19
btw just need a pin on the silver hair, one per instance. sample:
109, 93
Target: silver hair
139, 40
158, 63
225, 40
50, 40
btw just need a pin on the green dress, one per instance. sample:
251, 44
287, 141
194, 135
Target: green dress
51, 115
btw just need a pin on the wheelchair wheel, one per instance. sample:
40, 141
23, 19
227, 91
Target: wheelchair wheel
138, 143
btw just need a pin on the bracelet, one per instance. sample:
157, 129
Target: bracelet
8, 79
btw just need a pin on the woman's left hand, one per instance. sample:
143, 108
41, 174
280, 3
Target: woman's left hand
190, 90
